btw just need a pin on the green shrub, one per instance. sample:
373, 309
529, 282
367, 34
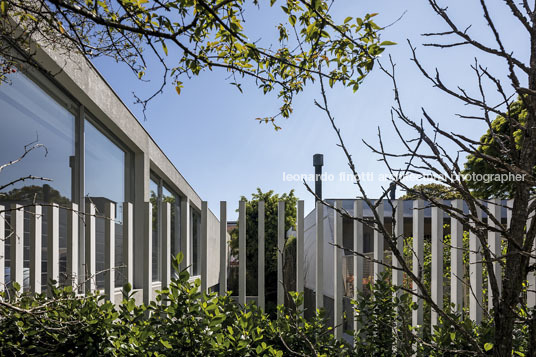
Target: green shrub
32, 324
384, 318
181, 322
383, 313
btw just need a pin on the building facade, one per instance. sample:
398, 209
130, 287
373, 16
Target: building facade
93, 150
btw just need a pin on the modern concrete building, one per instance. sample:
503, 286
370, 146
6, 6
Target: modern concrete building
95, 150
366, 239
348, 239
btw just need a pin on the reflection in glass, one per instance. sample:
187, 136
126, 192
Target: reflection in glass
155, 200
174, 201
30, 115
159, 195
105, 183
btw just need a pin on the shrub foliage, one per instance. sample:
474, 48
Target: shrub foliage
182, 321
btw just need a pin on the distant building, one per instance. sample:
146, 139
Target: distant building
367, 241
231, 225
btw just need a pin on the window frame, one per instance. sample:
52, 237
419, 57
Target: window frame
177, 226
63, 97
128, 170
161, 185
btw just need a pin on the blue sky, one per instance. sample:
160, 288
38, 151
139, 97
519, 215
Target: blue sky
210, 134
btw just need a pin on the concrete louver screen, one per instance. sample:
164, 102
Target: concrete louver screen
80, 271
336, 264
463, 295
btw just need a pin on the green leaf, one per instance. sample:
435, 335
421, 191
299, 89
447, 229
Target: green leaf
164, 47
237, 85
310, 28
292, 19
387, 43
180, 257
348, 19
127, 288
488, 346
238, 46
165, 343
178, 87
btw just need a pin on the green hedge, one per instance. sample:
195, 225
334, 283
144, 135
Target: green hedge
185, 322
181, 322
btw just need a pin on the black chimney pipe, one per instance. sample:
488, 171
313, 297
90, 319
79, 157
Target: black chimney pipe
318, 162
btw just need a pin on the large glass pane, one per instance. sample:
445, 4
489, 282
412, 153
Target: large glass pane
174, 200
155, 201
29, 115
105, 183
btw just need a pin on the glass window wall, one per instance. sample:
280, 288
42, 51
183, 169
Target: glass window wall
30, 116
175, 204
160, 194
155, 199
105, 183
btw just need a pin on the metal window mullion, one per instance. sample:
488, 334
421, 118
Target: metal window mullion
80, 156
177, 228
199, 257
159, 229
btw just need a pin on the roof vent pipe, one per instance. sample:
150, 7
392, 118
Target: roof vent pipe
318, 162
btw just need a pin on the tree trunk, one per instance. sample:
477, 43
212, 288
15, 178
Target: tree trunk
517, 261
532, 335
505, 315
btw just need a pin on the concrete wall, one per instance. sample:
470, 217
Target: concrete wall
310, 251
213, 256
347, 204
